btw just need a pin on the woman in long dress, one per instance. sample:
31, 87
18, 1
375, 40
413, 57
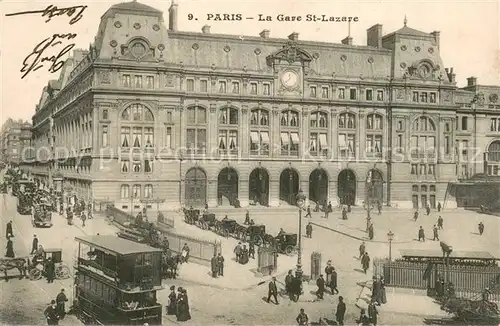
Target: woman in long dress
10, 249
383, 296
183, 306
172, 302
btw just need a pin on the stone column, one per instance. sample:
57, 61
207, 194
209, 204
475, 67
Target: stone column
333, 134
274, 129
304, 137
212, 135
274, 191
244, 132
361, 135
212, 193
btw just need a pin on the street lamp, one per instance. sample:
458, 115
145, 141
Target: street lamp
300, 204
390, 237
370, 184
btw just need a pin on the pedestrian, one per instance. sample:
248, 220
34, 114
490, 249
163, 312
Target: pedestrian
320, 283
344, 213
172, 302
370, 231
183, 313
362, 249
251, 249
340, 313
365, 262
372, 312
440, 222
308, 211
273, 291
382, 294
375, 289
333, 282
379, 207
247, 218
51, 314
51, 270
480, 228
302, 318
288, 284
436, 234
439, 207
220, 264
83, 218
8, 230
415, 216
185, 253
328, 272
61, 300
421, 234
237, 251
309, 230
214, 265
34, 244
328, 209
428, 209
9, 252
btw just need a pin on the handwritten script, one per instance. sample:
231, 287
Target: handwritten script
35, 60
52, 11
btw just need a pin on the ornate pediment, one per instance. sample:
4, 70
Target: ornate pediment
425, 69
290, 53
138, 49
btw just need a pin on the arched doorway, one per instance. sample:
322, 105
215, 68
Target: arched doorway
318, 186
196, 187
289, 185
374, 187
347, 187
227, 186
258, 184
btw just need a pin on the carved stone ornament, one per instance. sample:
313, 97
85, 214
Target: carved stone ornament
137, 26
343, 57
161, 47
113, 43
403, 65
447, 96
400, 94
257, 51
196, 46
227, 48
403, 48
479, 99
118, 24
156, 27
169, 80
105, 77
431, 50
370, 60
315, 55
276, 113
493, 98
290, 53
417, 49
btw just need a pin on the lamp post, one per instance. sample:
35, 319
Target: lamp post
300, 204
390, 237
370, 184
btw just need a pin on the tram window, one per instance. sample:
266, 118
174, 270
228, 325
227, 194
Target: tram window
148, 259
138, 260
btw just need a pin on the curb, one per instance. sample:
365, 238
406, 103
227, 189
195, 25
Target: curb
355, 237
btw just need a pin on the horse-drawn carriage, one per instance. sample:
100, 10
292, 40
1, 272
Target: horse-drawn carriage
226, 227
42, 215
253, 233
207, 221
39, 264
191, 216
286, 243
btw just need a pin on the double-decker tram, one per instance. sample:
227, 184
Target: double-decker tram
116, 281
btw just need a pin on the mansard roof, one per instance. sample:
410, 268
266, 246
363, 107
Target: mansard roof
134, 8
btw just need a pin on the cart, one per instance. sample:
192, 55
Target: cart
191, 216
286, 243
42, 215
226, 227
206, 221
38, 268
253, 233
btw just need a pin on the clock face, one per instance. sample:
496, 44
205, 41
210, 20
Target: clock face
289, 79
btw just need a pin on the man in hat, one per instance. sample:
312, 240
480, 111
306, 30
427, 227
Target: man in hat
320, 282
340, 313
440, 223
220, 264
288, 283
333, 282
34, 244
61, 299
328, 271
237, 251
8, 230
421, 234
214, 265
365, 262
309, 230
302, 318
51, 314
272, 291
362, 249
481, 228
185, 252
435, 232
9, 252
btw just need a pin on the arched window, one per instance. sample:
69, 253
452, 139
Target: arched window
136, 191
347, 135
318, 134
290, 139
228, 130
124, 191
259, 132
374, 128
494, 158
196, 131
137, 127
423, 137
148, 191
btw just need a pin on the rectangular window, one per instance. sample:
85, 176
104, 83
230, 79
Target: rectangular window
138, 81
493, 125
168, 138
266, 89
422, 170
124, 137
414, 169
352, 93
253, 88
415, 97
369, 94
105, 136
341, 94
380, 95
447, 144
126, 81
201, 139
432, 97
464, 123
148, 166
124, 191
137, 137
325, 92
191, 116
191, 138
148, 191
136, 191
105, 114
169, 116
125, 166
430, 169
203, 86
190, 85
136, 166
423, 97
312, 91
347, 145
150, 81
222, 86
399, 144
236, 88
374, 144
149, 136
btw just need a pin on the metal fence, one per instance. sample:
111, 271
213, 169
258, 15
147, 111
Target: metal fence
469, 281
125, 218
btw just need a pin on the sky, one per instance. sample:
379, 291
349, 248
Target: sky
470, 33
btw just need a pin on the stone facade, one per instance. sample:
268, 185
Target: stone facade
152, 114
15, 140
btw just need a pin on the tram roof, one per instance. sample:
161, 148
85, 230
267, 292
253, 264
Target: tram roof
416, 253
116, 245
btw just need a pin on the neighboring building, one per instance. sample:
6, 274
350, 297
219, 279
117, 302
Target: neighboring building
188, 118
15, 139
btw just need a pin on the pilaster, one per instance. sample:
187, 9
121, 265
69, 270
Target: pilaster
244, 133
333, 136
212, 135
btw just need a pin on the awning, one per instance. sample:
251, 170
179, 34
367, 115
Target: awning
264, 136
254, 137
323, 143
295, 138
285, 140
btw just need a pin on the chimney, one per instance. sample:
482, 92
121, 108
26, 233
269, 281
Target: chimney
347, 41
264, 33
452, 76
172, 17
472, 81
294, 36
374, 36
205, 29
436, 35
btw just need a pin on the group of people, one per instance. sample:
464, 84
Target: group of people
217, 264
178, 304
242, 254
57, 309
303, 318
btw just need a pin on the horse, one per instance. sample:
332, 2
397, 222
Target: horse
7, 264
170, 265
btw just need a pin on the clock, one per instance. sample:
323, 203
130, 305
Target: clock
289, 79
